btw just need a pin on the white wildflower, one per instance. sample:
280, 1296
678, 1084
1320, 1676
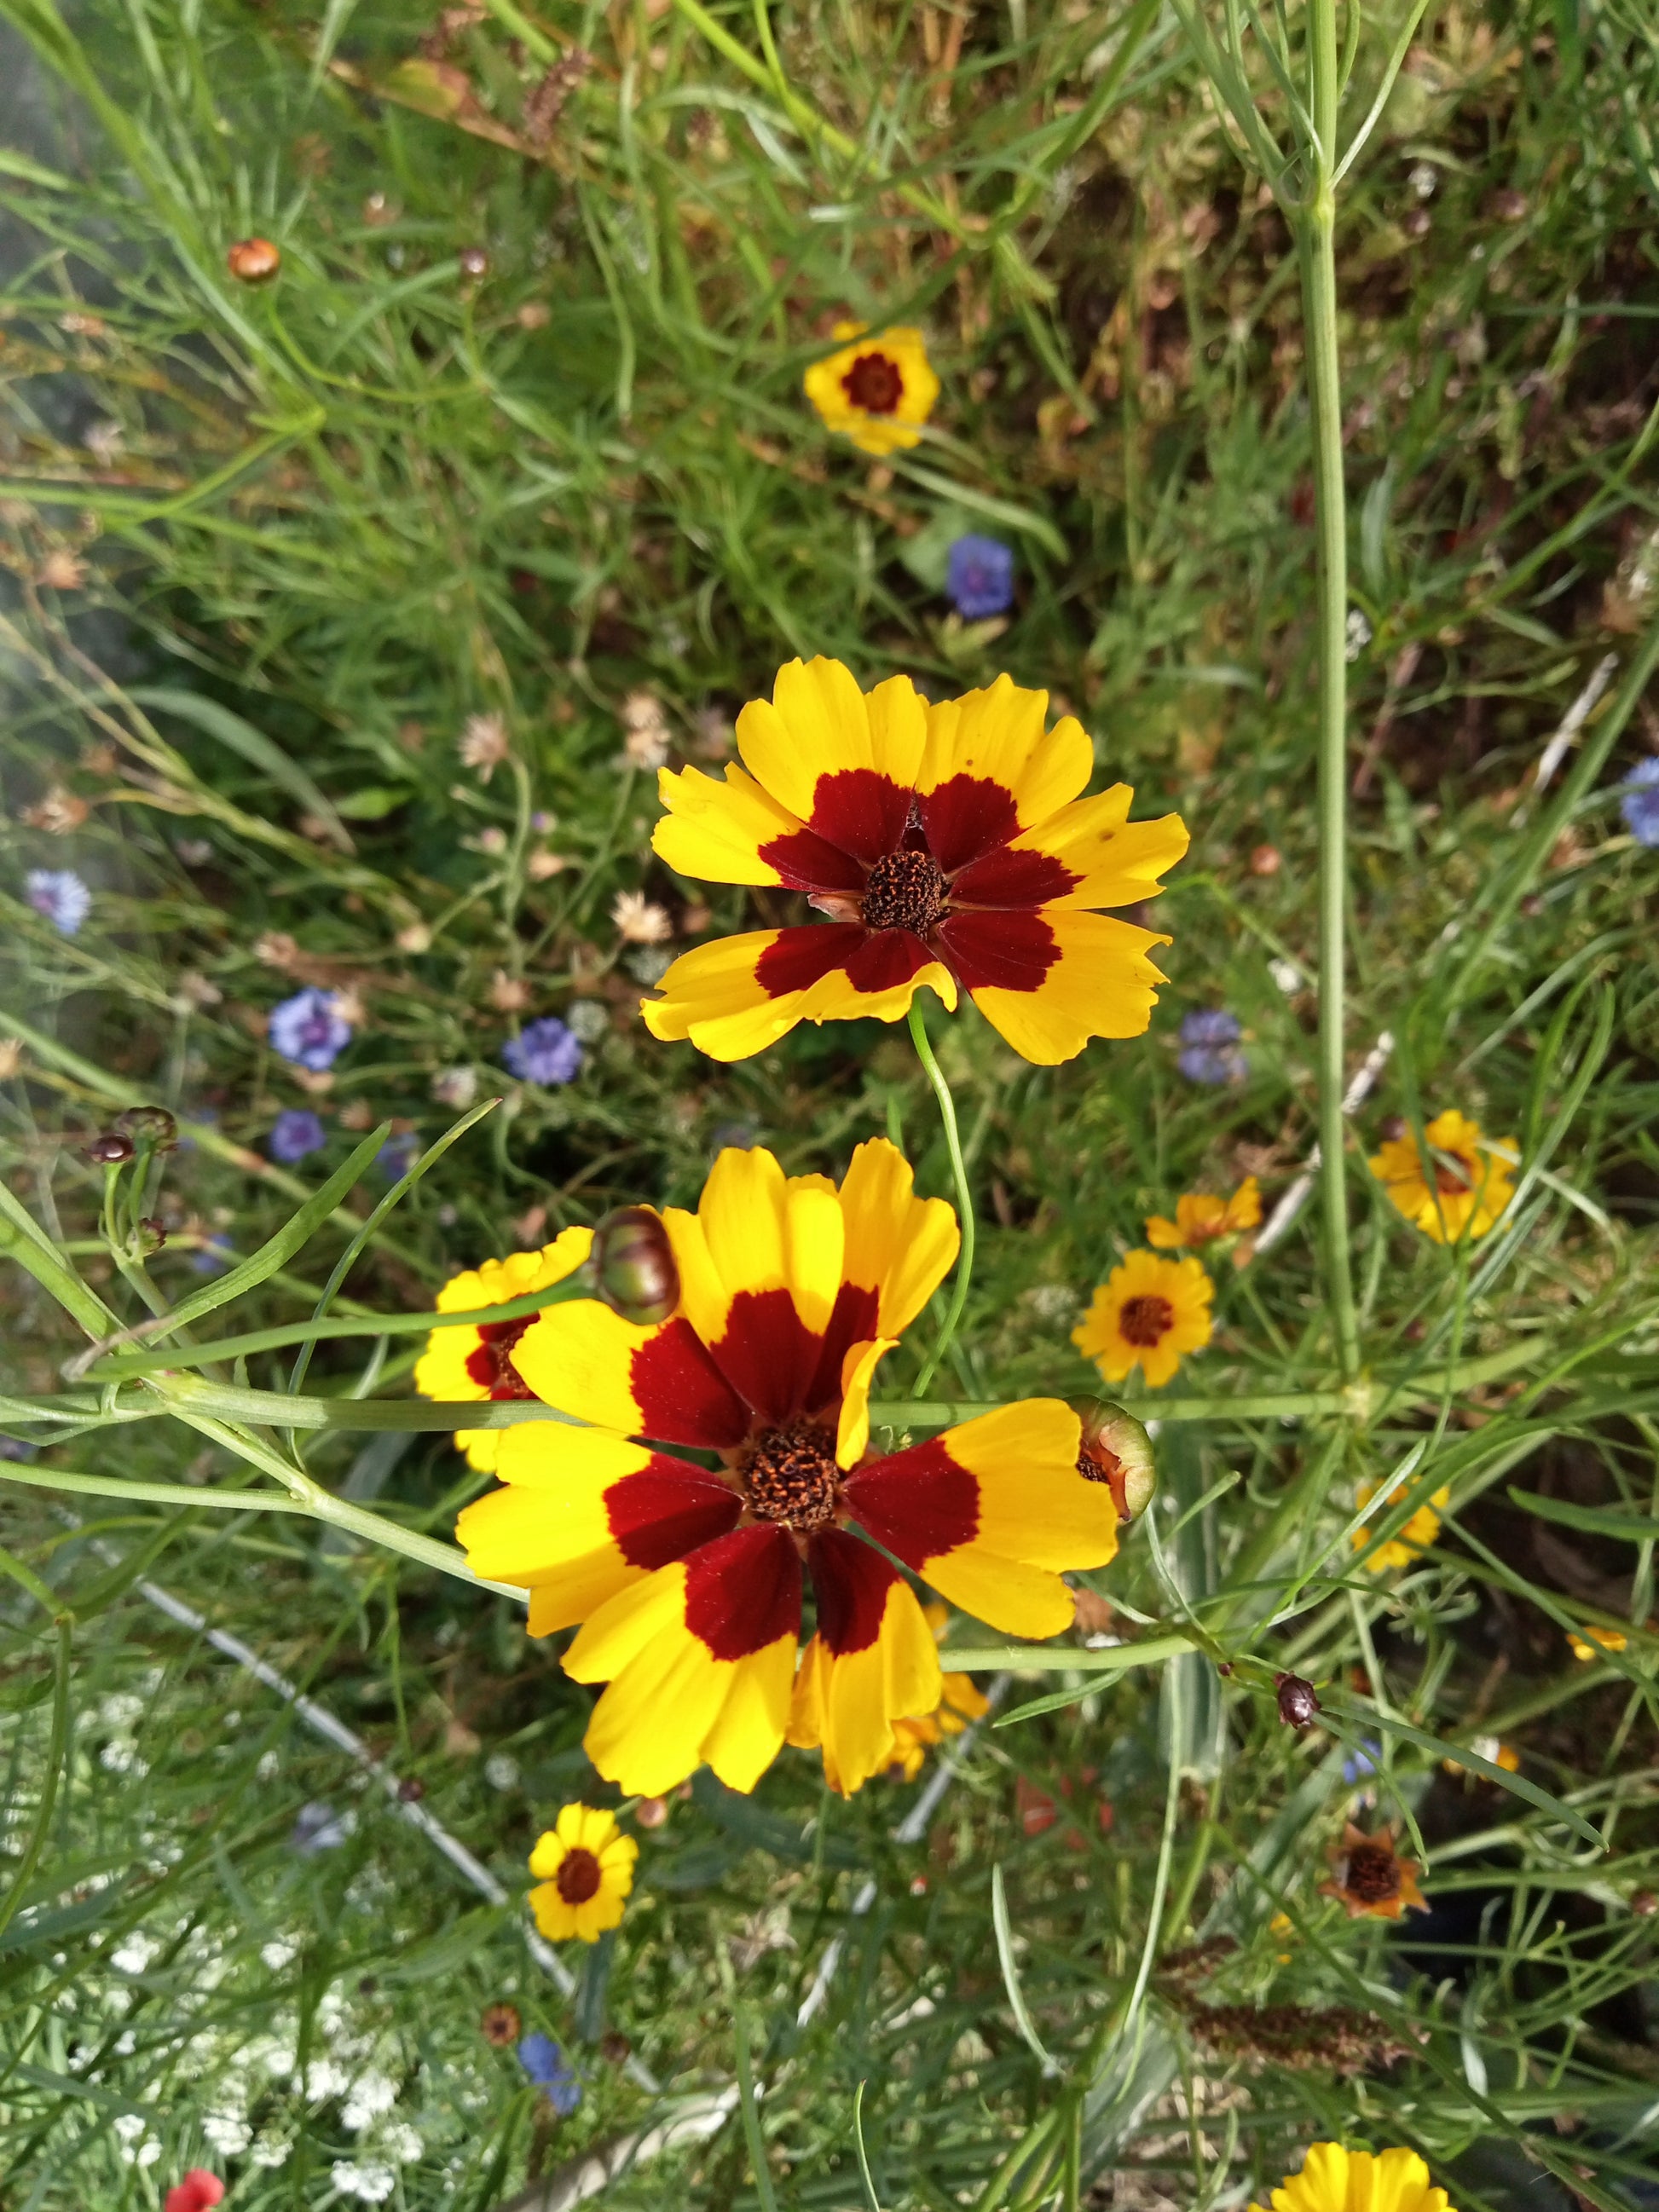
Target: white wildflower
399, 2143
270, 2151
1422, 178
325, 2078
129, 2126
640, 921
371, 2094
228, 2135
1360, 634
456, 1087
587, 1020
279, 1953
1286, 974
269, 1767
120, 1756
134, 1953
117, 1711
370, 2183
484, 745
501, 1770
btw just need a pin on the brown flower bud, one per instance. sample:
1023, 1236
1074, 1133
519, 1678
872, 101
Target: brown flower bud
614, 2047
1296, 1703
153, 1123
633, 1264
475, 261
253, 260
110, 1148
1116, 1451
651, 1812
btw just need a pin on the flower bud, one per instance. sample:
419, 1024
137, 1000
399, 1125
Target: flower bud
151, 1124
1296, 1703
633, 1264
110, 1148
253, 260
1117, 1451
149, 1236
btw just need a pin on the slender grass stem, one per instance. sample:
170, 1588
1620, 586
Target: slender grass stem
947, 1108
1318, 227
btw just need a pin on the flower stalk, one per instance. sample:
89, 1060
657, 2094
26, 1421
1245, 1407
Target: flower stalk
947, 1108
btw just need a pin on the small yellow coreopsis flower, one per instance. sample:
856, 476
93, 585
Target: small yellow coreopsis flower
1411, 1541
1463, 1191
1146, 1314
585, 1866
1335, 2179
1595, 1641
876, 390
1200, 1217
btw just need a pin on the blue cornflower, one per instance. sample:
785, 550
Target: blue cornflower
1209, 1036
60, 895
396, 1156
543, 1052
309, 1030
1365, 1760
544, 2063
979, 576
295, 1131
1639, 805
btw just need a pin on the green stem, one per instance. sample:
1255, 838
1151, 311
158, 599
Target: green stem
947, 1108
1318, 254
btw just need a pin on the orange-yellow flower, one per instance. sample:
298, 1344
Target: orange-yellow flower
476, 1362
960, 1702
585, 1869
1200, 1217
1335, 2179
876, 390
1408, 1543
686, 1578
1147, 1314
1594, 1641
1464, 1190
947, 845
1371, 1878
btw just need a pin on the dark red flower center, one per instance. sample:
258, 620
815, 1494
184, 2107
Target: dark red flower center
1146, 1318
789, 1474
874, 383
905, 890
1096, 1464
577, 1877
1455, 1177
490, 1365
1373, 1874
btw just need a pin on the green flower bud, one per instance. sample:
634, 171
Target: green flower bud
1117, 1451
151, 1122
633, 1264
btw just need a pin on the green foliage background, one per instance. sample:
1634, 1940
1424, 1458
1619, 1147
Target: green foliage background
271, 549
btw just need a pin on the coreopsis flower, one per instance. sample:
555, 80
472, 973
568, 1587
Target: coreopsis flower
1371, 1878
295, 1132
979, 576
640, 921
948, 846
500, 2026
309, 1030
1147, 1314
961, 1700
876, 390
1640, 803
1200, 1217
1334, 2180
1409, 1542
584, 1869
1491, 1748
61, 896
545, 1052
1595, 1640
1465, 1189
686, 1578
476, 1362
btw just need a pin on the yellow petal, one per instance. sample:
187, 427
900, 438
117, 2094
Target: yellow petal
749, 1731
715, 831
1103, 985
857, 1373
998, 735
898, 1244
1008, 1594
1033, 1503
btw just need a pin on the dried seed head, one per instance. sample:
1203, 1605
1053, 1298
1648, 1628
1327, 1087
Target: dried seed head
152, 1124
633, 1264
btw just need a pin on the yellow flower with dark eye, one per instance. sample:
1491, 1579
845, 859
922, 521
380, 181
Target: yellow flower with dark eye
876, 390
947, 845
1335, 2179
477, 1361
1411, 1539
1371, 1878
583, 1866
1463, 1190
688, 1575
960, 1702
1147, 1314
1200, 1217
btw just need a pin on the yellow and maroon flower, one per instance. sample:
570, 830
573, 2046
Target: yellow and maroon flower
1147, 1314
1201, 1217
1463, 1191
688, 1580
876, 390
946, 844
476, 1362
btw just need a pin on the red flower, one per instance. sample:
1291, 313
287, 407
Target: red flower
197, 2190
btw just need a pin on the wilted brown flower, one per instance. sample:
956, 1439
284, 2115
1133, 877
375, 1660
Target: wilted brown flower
508, 994
639, 920
542, 864
57, 813
484, 745
1371, 1878
61, 570
1339, 2040
648, 741
11, 1057
455, 1087
501, 2025
414, 937
276, 948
